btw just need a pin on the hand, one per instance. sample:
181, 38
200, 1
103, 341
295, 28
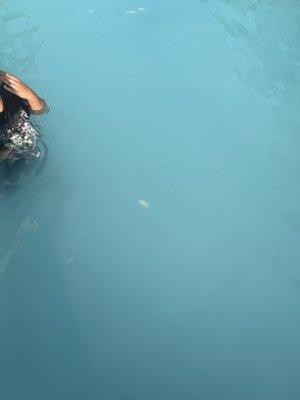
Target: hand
1, 75
16, 86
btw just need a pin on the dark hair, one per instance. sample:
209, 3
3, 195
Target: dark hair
12, 103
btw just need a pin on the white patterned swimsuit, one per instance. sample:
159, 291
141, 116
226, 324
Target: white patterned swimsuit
21, 137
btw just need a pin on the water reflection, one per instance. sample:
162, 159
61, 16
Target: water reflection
264, 53
18, 44
14, 240
266, 36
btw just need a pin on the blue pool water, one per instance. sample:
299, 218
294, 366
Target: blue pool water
156, 256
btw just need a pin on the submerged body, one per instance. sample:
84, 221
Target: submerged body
20, 139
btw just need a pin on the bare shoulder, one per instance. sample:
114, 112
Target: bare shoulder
1, 104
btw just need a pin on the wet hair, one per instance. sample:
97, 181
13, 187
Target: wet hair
12, 103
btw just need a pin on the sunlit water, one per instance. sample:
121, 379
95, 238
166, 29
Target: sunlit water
157, 254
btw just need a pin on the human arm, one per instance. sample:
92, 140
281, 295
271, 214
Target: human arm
36, 104
14, 85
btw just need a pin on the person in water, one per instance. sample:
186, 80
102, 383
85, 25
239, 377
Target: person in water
19, 138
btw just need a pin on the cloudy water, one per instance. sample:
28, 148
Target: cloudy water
155, 256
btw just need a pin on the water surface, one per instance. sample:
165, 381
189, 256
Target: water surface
157, 254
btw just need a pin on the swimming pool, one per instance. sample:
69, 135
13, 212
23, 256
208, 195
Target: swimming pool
157, 254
